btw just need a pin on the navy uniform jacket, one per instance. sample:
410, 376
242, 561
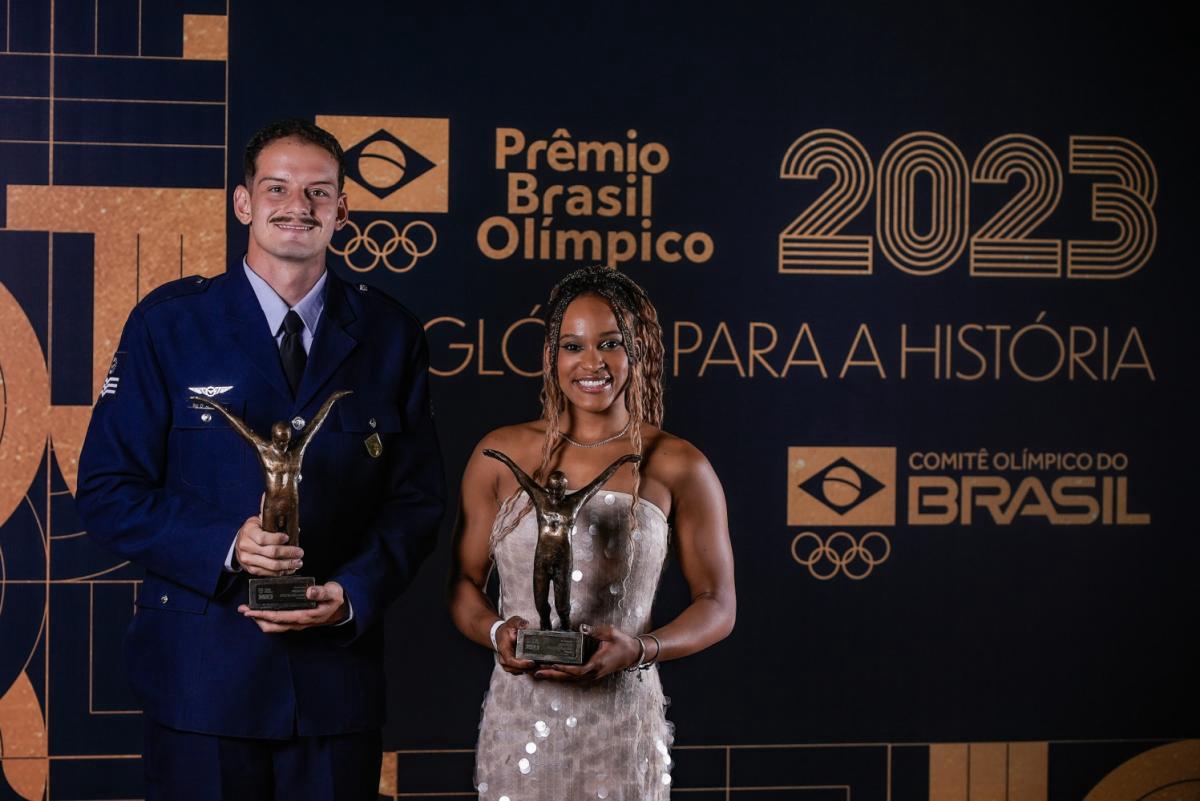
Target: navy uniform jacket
167, 486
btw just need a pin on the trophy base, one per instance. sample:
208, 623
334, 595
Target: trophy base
281, 593
559, 647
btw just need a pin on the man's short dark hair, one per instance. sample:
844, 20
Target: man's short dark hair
300, 129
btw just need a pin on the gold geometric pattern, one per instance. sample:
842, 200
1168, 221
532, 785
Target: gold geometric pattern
141, 237
144, 237
988, 771
998, 771
1168, 773
23, 746
205, 37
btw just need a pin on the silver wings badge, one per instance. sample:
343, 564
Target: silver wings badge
210, 392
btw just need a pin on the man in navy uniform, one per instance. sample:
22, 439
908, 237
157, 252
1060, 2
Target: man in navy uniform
240, 703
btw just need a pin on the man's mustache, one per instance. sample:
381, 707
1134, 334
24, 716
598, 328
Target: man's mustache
293, 220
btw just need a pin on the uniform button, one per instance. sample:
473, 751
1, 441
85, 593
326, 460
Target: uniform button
297, 422
371, 422
206, 417
163, 600
362, 287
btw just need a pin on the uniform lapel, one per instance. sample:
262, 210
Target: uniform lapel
248, 327
332, 344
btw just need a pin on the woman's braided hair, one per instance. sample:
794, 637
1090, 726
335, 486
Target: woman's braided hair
641, 336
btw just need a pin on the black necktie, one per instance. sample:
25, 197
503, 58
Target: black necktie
291, 350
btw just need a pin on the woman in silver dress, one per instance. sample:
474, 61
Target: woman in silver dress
598, 730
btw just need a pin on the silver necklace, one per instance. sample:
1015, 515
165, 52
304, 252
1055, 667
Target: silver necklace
599, 442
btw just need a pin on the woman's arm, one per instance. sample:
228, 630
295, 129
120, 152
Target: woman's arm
705, 556
470, 608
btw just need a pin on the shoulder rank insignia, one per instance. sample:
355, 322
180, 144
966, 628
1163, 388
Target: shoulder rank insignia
112, 380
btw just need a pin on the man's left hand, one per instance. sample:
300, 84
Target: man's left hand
331, 609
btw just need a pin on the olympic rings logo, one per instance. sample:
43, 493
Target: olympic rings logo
841, 552
399, 239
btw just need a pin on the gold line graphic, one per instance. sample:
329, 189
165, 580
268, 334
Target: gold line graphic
1000, 248
101, 55
46, 649
811, 243
1127, 203
71, 536
50, 128
905, 159
91, 577
225, 167
63, 142
62, 99
985, 771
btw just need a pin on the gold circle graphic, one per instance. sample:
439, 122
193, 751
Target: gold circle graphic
841, 552
1167, 773
397, 239
842, 485
382, 164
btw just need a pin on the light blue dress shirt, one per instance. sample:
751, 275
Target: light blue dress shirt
275, 308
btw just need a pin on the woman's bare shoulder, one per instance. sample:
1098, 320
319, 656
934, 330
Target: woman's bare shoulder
520, 442
672, 459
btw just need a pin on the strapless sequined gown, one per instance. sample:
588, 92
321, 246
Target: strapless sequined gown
551, 741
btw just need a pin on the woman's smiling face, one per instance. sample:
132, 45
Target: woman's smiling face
593, 366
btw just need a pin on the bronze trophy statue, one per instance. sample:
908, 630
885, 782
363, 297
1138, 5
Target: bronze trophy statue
556, 513
281, 499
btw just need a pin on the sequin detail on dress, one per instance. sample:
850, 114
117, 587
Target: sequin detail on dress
608, 741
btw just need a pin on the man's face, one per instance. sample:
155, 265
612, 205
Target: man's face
293, 205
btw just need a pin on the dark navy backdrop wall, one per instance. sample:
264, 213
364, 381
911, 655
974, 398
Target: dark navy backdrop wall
954, 443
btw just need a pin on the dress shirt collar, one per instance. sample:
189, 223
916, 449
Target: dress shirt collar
275, 308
